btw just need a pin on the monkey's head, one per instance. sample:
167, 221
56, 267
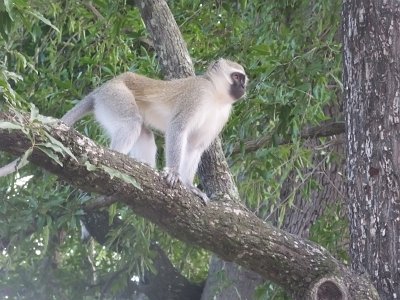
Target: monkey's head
230, 76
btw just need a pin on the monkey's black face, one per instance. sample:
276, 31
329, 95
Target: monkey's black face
238, 87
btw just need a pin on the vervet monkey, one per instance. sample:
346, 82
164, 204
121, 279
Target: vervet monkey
191, 112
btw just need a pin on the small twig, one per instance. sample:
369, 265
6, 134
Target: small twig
93, 9
326, 129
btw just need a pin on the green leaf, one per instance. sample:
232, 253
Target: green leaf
5, 24
46, 120
282, 212
24, 159
115, 173
53, 147
261, 49
9, 125
112, 212
60, 145
90, 167
46, 234
34, 112
107, 70
8, 5
72, 223
12, 75
43, 19
51, 154
80, 212
21, 60
35, 116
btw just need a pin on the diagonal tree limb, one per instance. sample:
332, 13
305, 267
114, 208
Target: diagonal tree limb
242, 237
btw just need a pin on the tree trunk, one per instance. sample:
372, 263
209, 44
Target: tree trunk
371, 30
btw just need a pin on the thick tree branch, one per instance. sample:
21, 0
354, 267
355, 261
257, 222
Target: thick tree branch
296, 264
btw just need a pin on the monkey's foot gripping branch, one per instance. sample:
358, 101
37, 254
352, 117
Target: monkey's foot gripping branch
200, 194
174, 179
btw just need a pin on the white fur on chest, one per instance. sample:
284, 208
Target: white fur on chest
208, 123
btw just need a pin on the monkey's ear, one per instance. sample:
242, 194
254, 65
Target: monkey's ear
217, 64
221, 62
213, 65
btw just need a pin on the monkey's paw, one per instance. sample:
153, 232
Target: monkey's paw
172, 177
199, 194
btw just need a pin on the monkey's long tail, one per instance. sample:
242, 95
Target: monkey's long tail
84, 107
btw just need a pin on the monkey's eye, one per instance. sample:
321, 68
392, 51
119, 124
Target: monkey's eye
236, 77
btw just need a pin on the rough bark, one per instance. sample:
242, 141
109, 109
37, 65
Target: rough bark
296, 264
167, 39
371, 36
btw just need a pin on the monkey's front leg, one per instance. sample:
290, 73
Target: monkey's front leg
175, 141
179, 164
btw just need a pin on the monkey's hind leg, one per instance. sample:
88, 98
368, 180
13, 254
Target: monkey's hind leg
124, 138
116, 110
145, 148
195, 190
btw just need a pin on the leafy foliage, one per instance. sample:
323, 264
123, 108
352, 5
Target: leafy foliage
54, 53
